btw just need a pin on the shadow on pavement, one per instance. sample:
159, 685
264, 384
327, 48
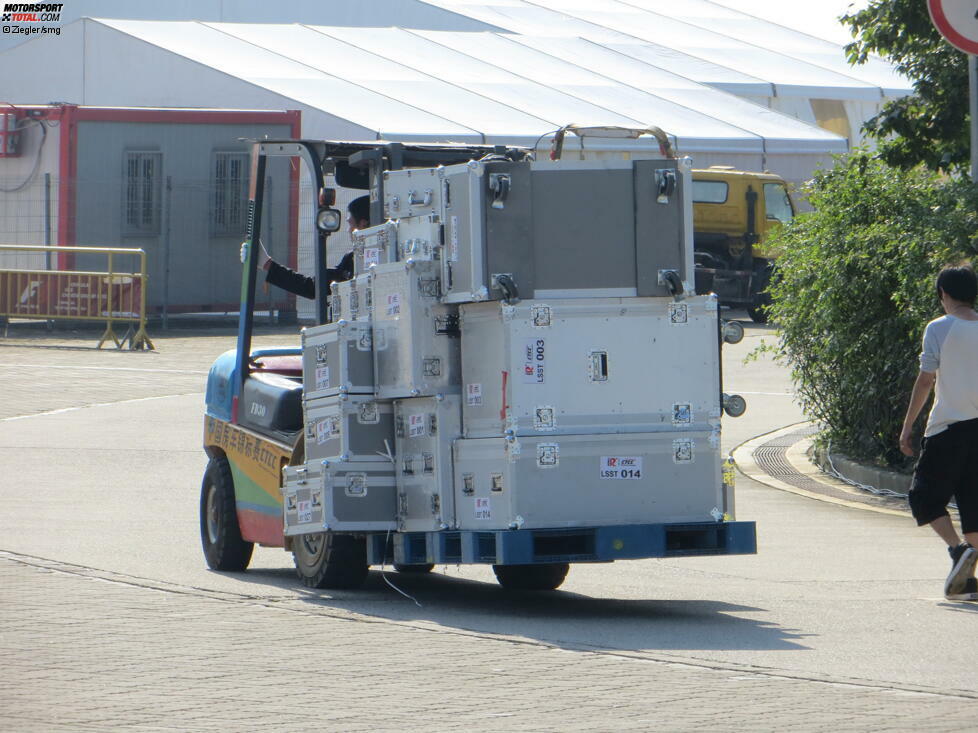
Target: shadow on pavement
564, 619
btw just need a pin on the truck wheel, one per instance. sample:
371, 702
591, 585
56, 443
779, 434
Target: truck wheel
330, 560
219, 532
416, 569
760, 297
546, 576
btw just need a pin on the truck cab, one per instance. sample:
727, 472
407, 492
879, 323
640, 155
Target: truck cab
735, 214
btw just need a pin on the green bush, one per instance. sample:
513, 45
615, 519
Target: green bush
855, 289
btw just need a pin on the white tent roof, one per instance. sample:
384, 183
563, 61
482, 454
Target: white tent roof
819, 19
427, 85
794, 63
433, 85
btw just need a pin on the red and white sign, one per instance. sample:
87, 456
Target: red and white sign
957, 22
69, 295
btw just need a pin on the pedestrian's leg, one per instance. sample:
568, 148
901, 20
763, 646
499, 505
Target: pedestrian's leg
944, 528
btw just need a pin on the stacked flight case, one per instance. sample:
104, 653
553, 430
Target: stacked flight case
513, 353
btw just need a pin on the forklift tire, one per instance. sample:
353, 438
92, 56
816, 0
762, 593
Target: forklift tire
545, 576
330, 560
219, 532
415, 569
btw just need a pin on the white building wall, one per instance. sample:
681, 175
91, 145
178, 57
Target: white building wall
29, 196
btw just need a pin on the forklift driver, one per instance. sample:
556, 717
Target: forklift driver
302, 285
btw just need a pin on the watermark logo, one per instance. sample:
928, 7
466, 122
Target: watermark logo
35, 15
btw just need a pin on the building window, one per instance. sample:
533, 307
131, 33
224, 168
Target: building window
229, 213
141, 207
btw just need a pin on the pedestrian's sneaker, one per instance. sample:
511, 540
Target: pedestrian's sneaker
968, 593
963, 560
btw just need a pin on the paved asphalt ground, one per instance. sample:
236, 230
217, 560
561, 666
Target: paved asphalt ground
109, 620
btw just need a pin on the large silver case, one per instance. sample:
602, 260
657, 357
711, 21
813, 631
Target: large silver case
376, 245
425, 429
587, 480
339, 496
590, 365
337, 357
610, 228
351, 300
484, 213
353, 427
416, 344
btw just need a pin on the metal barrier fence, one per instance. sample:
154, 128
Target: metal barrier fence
111, 296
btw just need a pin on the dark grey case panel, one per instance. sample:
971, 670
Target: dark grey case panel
509, 230
583, 229
658, 228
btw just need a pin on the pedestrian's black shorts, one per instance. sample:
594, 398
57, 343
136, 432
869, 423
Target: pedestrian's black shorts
948, 466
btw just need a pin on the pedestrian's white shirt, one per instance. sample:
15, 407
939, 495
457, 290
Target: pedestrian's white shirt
951, 350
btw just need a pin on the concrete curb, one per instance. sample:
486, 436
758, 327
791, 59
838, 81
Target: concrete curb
798, 456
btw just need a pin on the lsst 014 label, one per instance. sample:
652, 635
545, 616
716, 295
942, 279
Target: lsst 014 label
621, 467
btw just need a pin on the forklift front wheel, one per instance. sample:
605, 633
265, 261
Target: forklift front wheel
330, 560
544, 576
219, 532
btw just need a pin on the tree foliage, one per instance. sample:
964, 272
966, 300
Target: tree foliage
855, 289
930, 126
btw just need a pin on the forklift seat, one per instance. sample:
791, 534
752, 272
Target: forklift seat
271, 401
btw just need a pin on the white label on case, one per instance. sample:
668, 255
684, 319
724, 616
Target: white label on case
416, 426
621, 467
453, 239
322, 431
394, 304
371, 256
535, 361
473, 395
305, 512
482, 509
322, 377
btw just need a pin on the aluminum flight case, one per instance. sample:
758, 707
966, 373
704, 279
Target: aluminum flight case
587, 480
425, 429
484, 209
415, 337
351, 300
350, 426
339, 496
375, 245
590, 365
337, 357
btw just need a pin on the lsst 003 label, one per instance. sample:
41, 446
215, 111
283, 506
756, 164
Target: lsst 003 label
621, 467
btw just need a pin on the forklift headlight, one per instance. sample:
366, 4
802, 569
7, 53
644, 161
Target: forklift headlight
329, 220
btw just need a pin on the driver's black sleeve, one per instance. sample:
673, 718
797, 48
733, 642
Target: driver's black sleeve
303, 285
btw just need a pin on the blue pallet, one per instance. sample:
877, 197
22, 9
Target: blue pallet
583, 544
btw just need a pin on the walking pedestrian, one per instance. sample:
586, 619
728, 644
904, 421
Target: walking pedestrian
948, 463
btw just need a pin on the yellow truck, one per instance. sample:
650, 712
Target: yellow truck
734, 215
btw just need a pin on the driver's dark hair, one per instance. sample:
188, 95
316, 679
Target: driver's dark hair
359, 208
959, 283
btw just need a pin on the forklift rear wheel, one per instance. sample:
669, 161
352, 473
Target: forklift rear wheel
219, 532
330, 560
545, 576
416, 569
